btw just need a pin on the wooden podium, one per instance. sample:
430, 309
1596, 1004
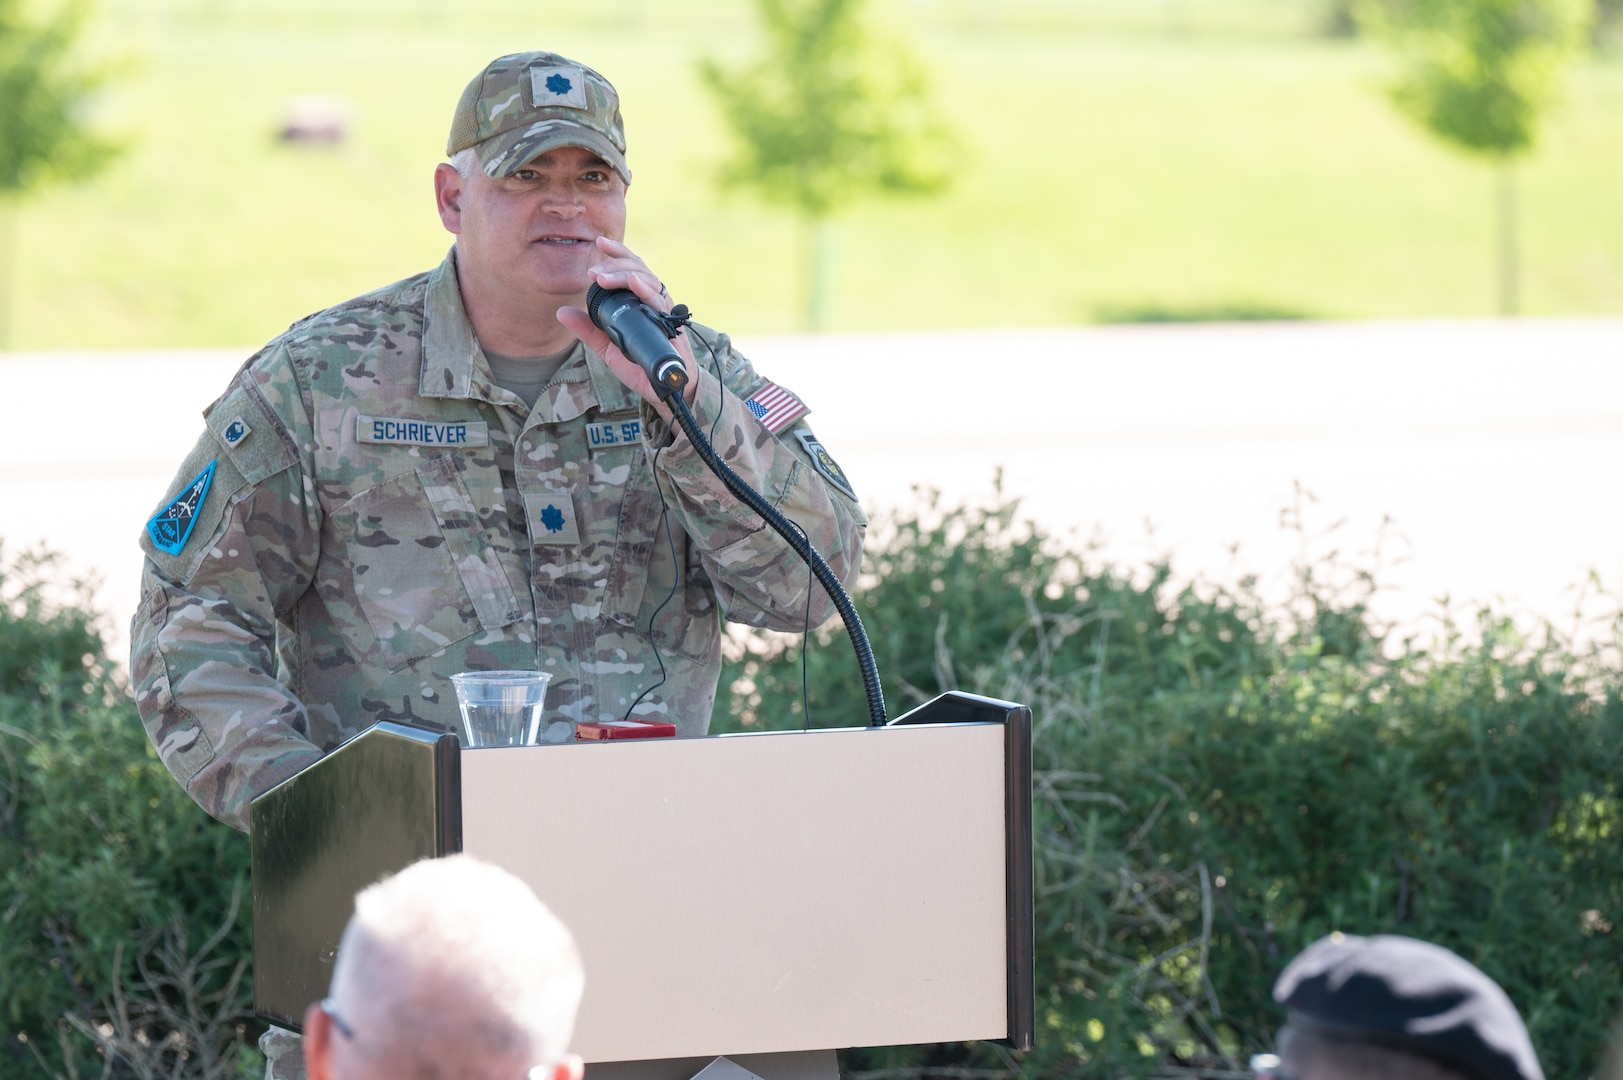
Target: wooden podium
760, 896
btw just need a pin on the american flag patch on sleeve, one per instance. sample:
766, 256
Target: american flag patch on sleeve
775, 407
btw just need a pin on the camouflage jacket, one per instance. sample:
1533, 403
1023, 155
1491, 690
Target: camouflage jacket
367, 513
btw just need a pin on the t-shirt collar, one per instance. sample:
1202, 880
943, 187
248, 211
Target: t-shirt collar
450, 353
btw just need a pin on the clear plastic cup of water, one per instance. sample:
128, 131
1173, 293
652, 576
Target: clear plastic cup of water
503, 708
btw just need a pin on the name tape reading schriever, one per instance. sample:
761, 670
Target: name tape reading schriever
613, 433
392, 431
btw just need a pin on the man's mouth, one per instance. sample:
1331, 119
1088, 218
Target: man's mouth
563, 240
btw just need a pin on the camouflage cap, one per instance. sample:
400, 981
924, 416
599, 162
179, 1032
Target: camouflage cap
525, 104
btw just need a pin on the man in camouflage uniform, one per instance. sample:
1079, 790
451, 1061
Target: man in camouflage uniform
459, 472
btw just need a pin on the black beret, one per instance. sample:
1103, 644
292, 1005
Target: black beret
1411, 995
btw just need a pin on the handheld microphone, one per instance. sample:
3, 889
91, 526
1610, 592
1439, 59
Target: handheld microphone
642, 333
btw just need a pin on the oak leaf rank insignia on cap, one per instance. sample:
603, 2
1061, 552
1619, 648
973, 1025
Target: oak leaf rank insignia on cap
558, 85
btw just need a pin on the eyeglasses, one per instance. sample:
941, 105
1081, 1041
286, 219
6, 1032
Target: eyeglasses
1269, 1067
538, 1072
338, 1021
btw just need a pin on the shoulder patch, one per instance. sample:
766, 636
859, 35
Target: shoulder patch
824, 463
775, 407
236, 431
172, 526
255, 441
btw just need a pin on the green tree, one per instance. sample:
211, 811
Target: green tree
1337, 20
1481, 75
1608, 21
45, 92
832, 111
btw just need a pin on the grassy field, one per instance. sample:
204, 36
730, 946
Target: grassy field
1123, 158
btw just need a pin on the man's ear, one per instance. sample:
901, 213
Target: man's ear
570, 1068
448, 186
318, 1043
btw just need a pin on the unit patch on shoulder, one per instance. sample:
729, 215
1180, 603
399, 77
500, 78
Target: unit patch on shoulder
236, 431
552, 518
558, 85
824, 463
171, 527
609, 433
775, 407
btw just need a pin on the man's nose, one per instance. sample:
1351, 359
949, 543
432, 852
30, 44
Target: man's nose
562, 200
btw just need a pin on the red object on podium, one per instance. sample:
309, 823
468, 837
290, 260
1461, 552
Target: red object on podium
625, 729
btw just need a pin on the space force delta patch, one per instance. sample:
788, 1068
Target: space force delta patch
171, 527
775, 407
392, 431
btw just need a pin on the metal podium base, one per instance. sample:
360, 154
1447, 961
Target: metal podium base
805, 1065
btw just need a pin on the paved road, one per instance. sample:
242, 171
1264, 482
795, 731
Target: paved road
1494, 447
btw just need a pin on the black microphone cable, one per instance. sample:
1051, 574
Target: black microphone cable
676, 583
628, 323
820, 569
670, 540
805, 630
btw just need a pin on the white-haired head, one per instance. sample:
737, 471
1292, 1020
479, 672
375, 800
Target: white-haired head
465, 161
451, 969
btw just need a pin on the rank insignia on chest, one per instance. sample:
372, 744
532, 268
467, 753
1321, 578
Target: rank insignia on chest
551, 518
824, 463
171, 527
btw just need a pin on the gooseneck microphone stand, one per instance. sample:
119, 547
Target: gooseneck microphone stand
628, 323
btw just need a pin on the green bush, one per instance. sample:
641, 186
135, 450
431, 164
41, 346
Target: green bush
123, 907
1218, 783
